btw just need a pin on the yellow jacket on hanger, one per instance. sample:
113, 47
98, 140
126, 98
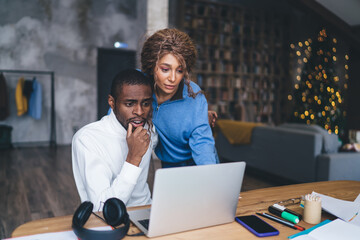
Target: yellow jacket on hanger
20, 99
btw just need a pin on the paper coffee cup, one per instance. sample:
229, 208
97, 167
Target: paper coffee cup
312, 209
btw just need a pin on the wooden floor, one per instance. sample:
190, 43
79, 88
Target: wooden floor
38, 182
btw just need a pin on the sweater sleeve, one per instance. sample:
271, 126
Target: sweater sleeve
201, 140
96, 176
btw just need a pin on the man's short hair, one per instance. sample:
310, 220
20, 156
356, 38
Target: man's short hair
129, 77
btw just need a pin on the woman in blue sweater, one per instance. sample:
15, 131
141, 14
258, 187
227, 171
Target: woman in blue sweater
180, 109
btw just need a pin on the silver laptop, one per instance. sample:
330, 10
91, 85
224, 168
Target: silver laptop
186, 198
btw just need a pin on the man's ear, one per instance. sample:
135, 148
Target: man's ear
111, 101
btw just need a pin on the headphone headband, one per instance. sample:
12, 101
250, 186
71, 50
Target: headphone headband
115, 214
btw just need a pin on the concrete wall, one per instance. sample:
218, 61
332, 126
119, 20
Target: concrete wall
63, 36
157, 15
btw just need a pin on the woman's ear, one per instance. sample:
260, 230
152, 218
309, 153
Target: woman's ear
111, 101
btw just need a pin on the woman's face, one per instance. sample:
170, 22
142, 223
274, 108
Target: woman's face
168, 75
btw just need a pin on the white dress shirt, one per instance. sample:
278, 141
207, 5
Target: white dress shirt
99, 152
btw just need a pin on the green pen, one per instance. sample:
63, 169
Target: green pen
288, 216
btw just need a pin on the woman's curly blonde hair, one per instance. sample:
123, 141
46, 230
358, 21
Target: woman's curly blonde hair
175, 42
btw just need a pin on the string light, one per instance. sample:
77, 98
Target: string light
315, 78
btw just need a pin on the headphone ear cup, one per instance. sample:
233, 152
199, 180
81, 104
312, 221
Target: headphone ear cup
82, 214
115, 212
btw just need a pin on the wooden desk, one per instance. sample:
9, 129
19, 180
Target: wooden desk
249, 203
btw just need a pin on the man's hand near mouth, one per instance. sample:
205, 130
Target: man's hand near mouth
138, 141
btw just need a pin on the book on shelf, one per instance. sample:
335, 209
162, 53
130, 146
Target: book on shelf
240, 53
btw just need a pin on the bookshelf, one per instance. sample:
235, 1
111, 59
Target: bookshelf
241, 58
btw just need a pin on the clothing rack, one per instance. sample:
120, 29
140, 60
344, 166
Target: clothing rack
52, 140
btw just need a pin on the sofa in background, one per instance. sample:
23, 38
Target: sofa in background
297, 152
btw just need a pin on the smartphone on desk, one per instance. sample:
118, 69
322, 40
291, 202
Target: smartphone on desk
257, 226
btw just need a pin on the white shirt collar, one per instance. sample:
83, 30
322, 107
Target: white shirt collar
116, 125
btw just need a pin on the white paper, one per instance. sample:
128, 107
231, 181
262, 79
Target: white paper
68, 235
304, 237
335, 230
346, 210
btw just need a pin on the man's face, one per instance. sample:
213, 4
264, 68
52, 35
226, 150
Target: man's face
132, 105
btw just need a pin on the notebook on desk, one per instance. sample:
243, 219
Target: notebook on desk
186, 198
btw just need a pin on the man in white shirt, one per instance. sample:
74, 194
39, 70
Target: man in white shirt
111, 157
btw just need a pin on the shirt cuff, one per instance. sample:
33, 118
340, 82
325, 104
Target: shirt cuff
130, 173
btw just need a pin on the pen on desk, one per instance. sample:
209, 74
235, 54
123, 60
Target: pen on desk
276, 219
280, 213
282, 208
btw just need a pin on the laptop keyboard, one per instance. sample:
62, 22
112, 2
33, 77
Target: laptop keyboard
145, 223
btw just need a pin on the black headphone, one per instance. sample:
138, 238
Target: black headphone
115, 214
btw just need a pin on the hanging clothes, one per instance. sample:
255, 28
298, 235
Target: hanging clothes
4, 99
28, 89
20, 99
35, 102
